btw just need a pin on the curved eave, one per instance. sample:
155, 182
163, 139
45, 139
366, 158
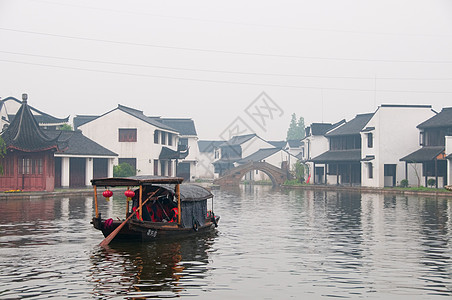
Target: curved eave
55, 148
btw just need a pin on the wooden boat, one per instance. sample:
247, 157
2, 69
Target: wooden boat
169, 208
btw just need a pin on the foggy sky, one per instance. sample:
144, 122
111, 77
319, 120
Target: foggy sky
211, 60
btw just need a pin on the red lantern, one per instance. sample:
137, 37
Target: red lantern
107, 194
129, 194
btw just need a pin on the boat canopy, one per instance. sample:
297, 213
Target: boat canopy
188, 192
136, 181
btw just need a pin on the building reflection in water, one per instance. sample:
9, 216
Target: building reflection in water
156, 269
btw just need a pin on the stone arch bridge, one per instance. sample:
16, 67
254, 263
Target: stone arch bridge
233, 176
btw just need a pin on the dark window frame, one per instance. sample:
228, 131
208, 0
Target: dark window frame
127, 135
156, 136
370, 140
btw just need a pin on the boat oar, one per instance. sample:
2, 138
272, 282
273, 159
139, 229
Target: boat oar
112, 235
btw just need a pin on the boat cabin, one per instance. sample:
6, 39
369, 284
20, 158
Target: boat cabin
157, 206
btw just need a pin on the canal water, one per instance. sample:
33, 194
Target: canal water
270, 244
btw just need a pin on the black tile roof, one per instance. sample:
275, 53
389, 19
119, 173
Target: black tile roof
79, 120
24, 133
140, 115
443, 119
336, 156
259, 155
239, 139
209, 146
424, 154
41, 117
278, 144
183, 126
352, 127
294, 143
78, 144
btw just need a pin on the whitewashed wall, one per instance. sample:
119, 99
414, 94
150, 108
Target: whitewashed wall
254, 144
394, 137
318, 144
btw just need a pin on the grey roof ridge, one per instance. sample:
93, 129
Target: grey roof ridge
141, 117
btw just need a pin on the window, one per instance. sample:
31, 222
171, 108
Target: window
156, 167
128, 135
37, 166
156, 136
370, 170
370, 140
170, 139
163, 137
421, 138
25, 166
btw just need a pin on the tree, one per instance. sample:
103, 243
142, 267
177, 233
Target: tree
123, 170
296, 129
66, 127
299, 172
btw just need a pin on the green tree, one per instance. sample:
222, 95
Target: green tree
296, 129
123, 170
299, 172
66, 127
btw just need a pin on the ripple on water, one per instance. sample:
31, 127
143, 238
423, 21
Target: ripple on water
269, 244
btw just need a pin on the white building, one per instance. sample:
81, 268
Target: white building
188, 141
433, 158
237, 148
314, 144
146, 143
389, 135
209, 151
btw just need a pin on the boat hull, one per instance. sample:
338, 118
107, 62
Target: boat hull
148, 231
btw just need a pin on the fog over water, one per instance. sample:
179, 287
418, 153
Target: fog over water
323, 60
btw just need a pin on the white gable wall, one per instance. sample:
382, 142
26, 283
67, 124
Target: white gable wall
204, 166
105, 131
254, 144
395, 136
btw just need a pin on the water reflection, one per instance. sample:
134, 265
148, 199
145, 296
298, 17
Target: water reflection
163, 270
274, 244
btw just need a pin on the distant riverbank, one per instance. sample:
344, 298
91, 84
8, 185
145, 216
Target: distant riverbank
386, 190
89, 191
